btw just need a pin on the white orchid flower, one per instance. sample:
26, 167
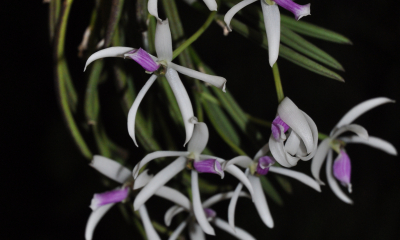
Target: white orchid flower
302, 140
197, 162
272, 20
153, 9
259, 166
163, 44
102, 202
342, 166
195, 231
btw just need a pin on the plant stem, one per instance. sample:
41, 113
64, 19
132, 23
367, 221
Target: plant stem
278, 84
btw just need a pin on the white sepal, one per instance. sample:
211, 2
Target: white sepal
142, 179
108, 52
232, 205
195, 232
319, 159
272, 21
173, 196
372, 142
175, 234
211, 4
237, 173
163, 41
110, 168
152, 8
242, 161
199, 139
261, 202
148, 226
298, 176
94, 218
237, 232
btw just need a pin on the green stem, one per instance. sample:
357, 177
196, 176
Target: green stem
322, 136
259, 121
278, 84
195, 36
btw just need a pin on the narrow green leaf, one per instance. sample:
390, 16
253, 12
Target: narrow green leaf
285, 184
92, 105
54, 14
210, 98
312, 30
115, 15
270, 190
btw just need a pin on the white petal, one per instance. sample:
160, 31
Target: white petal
332, 182
154, 155
262, 152
178, 231
237, 173
272, 21
242, 161
297, 175
183, 100
278, 152
163, 41
292, 143
211, 4
198, 208
372, 142
357, 129
217, 81
171, 213
148, 227
360, 109
199, 139
319, 159
135, 106
152, 8
142, 179
295, 118
238, 233
195, 232
229, 15
222, 196
174, 196
108, 52
232, 205
110, 168
159, 180
261, 202
314, 131
94, 218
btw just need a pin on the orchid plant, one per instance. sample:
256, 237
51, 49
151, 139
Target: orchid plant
293, 135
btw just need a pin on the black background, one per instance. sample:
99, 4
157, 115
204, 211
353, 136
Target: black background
47, 185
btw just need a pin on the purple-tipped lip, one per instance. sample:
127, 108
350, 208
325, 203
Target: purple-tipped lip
113, 196
263, 164
143, 59
278, 128
209, 166
299, 11
210, 214
342, 169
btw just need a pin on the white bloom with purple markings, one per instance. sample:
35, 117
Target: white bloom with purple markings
153, 9
294, 135
201, 163
161, 65
272, 20
340, 169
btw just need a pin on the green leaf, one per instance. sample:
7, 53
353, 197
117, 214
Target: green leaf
92, 105
115, 15
285, 184
270, 190
54, 14
312, 30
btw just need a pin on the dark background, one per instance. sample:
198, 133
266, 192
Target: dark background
47, 185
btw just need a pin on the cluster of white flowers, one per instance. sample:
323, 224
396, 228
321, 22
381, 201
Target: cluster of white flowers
294, 136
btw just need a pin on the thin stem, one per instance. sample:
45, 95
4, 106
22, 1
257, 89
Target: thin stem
195, 36
322, 136
259, 121
278, 84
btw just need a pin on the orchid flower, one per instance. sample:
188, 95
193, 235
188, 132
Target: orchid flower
158, 66
272, 20
301, 142
256, 168
196, 162
342, 166
101, 203
153, 10
195, 231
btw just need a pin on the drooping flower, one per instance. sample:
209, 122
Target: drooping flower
272, 20
192, 157
153, 9
256, 168
341, 167
161, 65
302, 139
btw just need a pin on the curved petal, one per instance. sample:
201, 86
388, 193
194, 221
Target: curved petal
175, 234
314, 131
229, 15
319, 159
108, 52
110, 168
174, 196
159, 180
154, 155
360, 109
183, 100
171, 213
242, 161
332, 182
299, 11
372, 142
292, 143
261, 202
216, 81
163, 41
222, 196
238, 232
278, 152
94, 218
272, 21
237, 173
295, 118
195, 232
199, 139
197, 206
232, 205
357, 129
142, 179
262, 152
152, 8
135, 106
148, 226
297, 175
211, 4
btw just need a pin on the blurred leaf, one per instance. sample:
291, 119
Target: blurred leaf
54, 15
284, 183
115, 14
271, 191
92, 105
